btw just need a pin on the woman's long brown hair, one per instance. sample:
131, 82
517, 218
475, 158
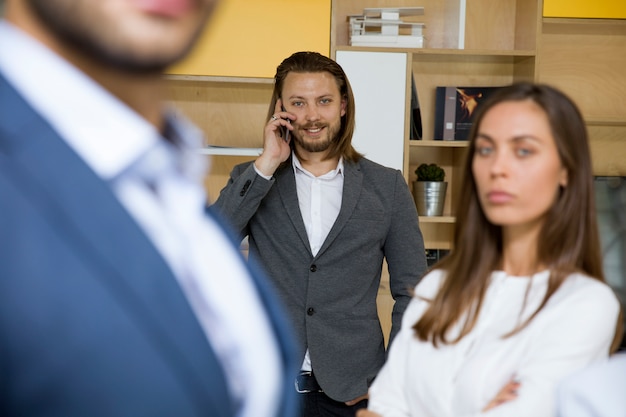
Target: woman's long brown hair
568, 241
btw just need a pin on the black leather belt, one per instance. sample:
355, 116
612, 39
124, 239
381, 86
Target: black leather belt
306, 383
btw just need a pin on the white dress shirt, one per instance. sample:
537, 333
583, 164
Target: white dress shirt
114, 141
319, 199
320, 202
575, 328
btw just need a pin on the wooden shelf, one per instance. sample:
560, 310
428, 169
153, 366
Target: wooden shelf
437, 219
228, 151
606, 122
579, 21
443, 51
213, 79
439, 143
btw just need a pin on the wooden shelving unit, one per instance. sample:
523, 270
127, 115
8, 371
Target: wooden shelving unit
500, 48
586, 59
231, 113
504, 41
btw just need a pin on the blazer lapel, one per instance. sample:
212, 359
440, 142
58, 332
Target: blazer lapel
352, 180
286, 184
92, 220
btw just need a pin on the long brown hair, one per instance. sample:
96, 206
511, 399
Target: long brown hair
568, 241
303, 62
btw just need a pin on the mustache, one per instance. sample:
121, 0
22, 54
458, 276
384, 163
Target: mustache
312, 125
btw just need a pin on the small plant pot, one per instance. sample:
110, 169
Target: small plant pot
430, 197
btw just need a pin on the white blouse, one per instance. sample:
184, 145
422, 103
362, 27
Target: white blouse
575, 328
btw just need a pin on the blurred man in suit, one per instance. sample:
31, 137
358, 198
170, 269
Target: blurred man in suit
119, 294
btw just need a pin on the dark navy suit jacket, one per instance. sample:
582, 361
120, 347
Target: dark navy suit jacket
92, 320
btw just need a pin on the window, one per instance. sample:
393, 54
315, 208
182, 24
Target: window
611, 206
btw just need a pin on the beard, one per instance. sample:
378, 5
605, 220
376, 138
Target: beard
321, 144
115, 42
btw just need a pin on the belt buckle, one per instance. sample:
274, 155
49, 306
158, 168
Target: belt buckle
301, 385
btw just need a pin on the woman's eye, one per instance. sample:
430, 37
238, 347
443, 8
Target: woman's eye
325, 101
297, 104
484, 150
522, 152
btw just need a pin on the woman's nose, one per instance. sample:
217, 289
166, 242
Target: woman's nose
499, 163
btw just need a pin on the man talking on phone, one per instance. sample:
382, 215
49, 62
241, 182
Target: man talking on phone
321, 219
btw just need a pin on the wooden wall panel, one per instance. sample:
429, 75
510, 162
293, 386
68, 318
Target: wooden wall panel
230, 114
587, 60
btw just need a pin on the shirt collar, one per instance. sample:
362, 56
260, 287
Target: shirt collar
297, 167
105, 132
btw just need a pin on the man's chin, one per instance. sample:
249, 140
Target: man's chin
138, 61
314, 145
135, 65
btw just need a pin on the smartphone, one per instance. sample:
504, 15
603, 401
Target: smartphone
285, 131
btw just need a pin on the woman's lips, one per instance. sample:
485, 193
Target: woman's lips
499, 197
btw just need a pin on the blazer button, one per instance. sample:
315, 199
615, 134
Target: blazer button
310, 311
313, 268
245, 188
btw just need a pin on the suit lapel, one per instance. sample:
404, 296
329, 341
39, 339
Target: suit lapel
91, 220
352, 180
286, 184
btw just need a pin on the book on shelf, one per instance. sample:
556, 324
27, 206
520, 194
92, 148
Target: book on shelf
455, 108
435, 255
416, 114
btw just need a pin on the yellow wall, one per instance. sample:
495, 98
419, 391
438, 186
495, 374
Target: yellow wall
609, 9
249, 38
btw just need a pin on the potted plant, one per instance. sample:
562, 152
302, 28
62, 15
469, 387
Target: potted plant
429, 190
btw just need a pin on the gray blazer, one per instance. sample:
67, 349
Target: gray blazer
331, 297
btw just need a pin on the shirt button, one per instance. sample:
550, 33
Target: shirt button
313, 268
310, 311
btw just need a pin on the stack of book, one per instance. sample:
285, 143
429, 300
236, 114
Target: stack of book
384, 27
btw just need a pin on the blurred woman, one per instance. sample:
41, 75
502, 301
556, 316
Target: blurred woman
520, 302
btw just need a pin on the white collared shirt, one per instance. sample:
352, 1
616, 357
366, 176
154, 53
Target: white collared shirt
320, 202
111, 138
